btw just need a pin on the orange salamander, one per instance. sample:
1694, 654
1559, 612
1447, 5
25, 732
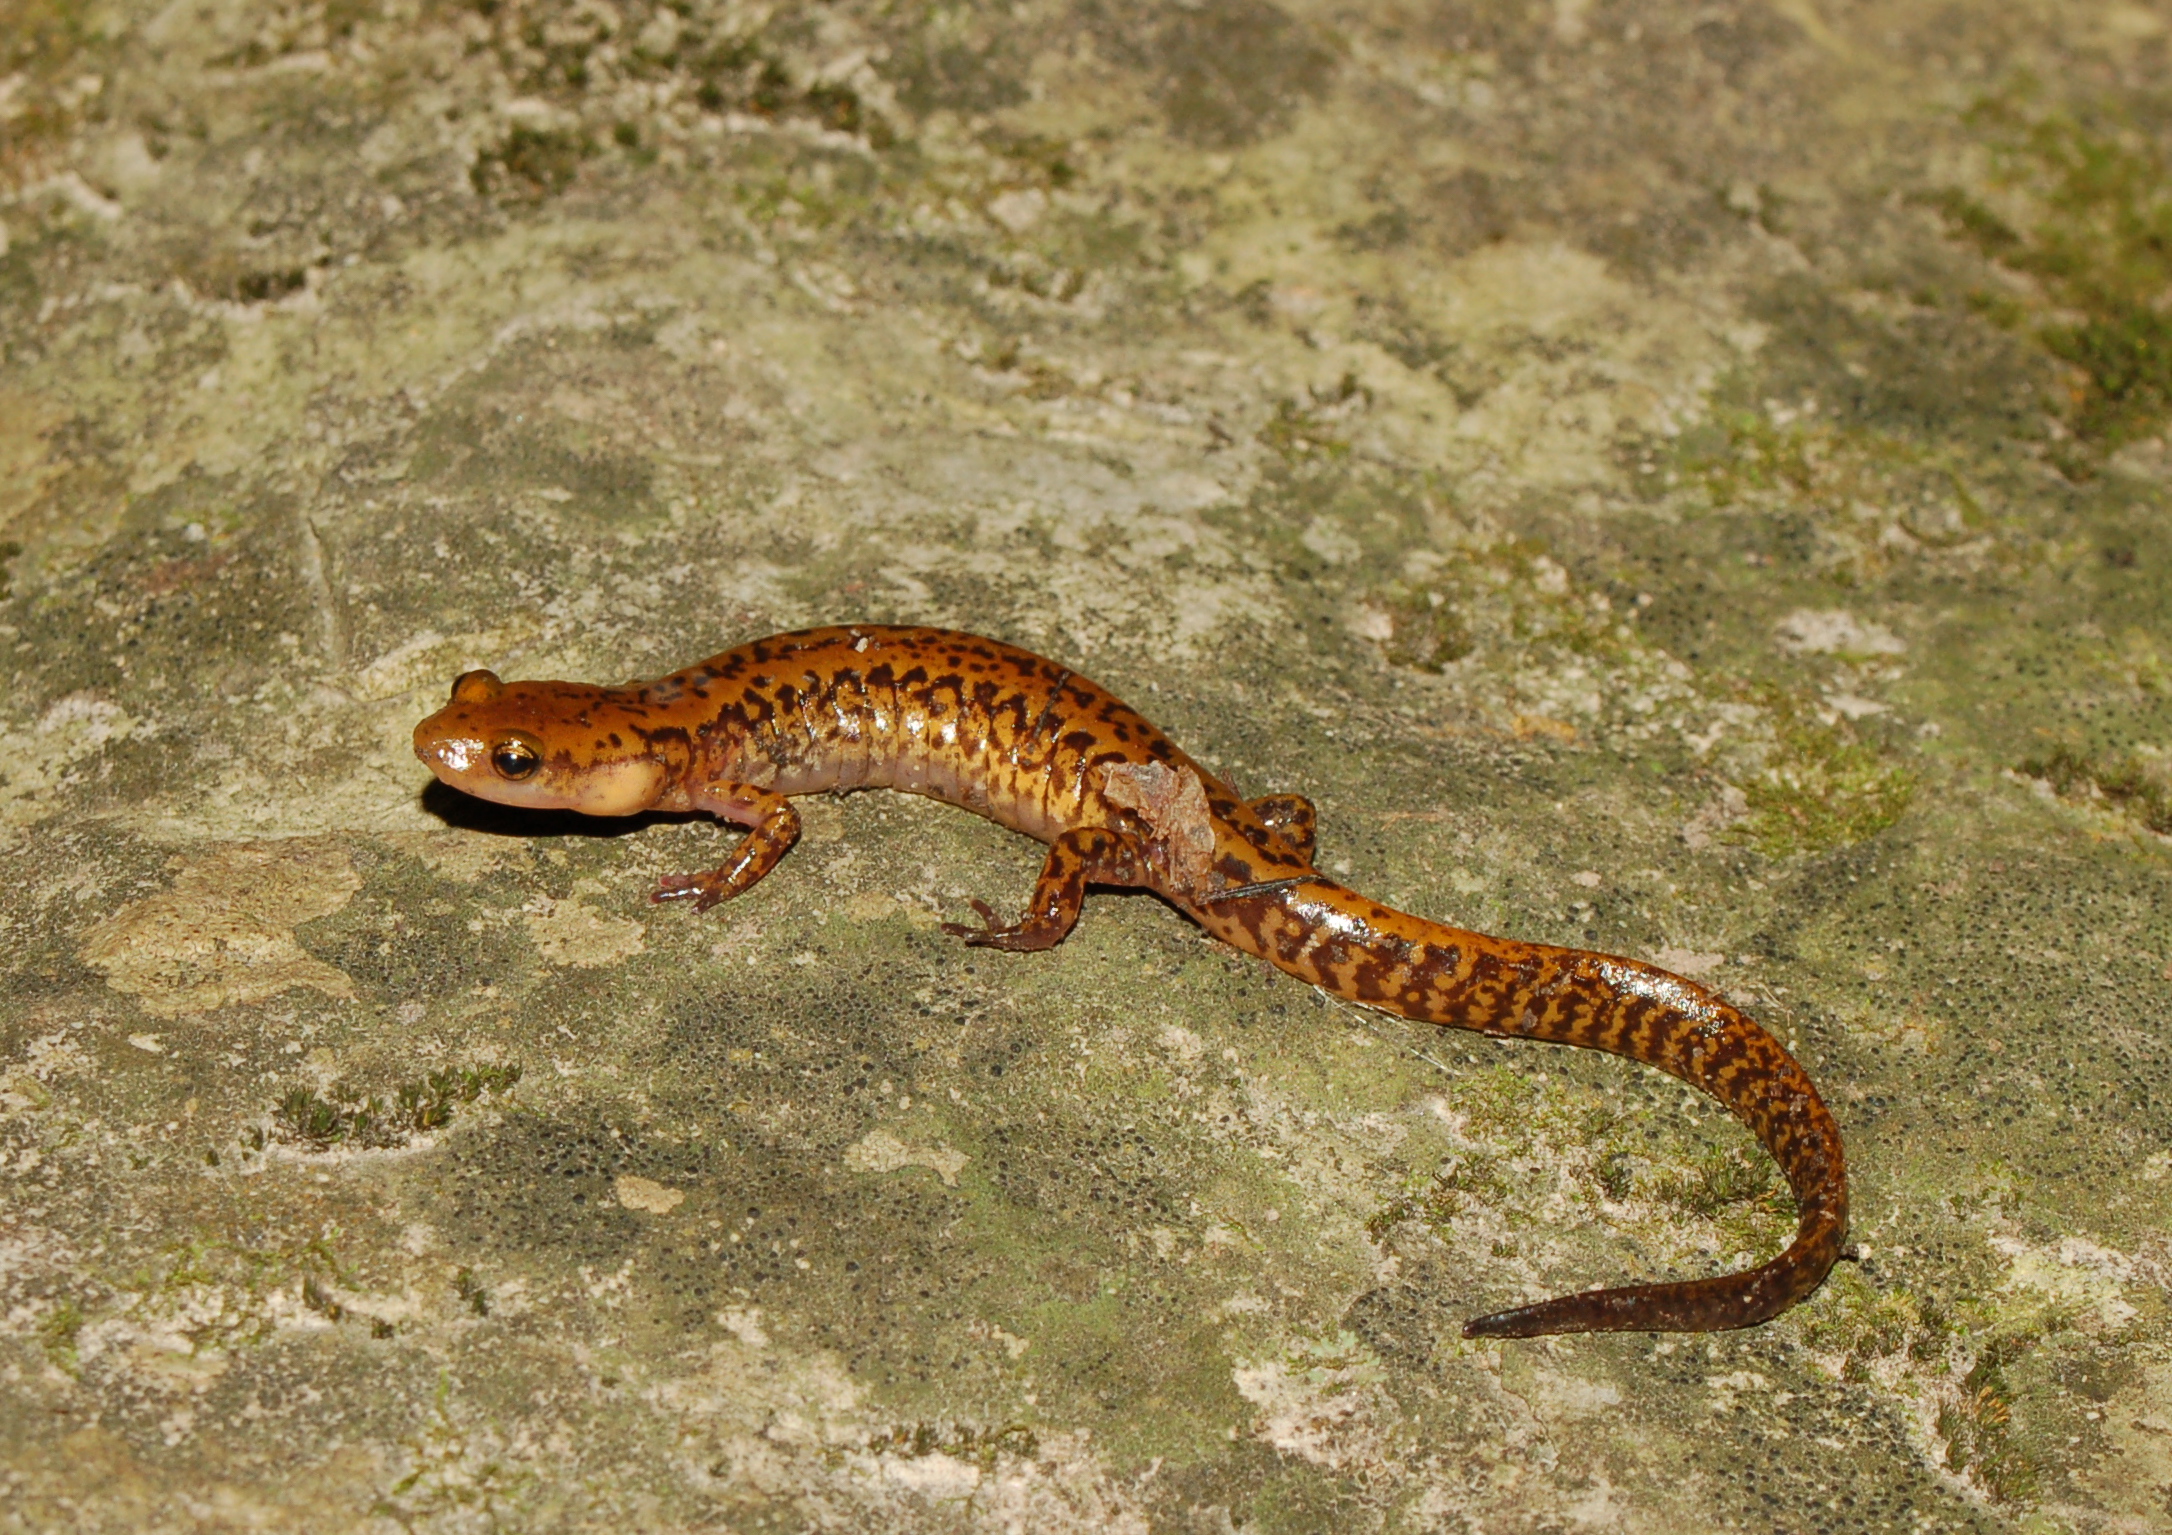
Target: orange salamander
1038, 748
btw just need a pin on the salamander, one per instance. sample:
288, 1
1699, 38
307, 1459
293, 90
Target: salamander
1040, 749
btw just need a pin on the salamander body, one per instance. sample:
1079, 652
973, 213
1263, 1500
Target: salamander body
1042, 750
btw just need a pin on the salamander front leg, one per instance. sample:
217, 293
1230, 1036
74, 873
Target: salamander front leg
1290, 814
772, 827
1089, 855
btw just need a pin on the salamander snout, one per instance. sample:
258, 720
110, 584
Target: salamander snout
539, 744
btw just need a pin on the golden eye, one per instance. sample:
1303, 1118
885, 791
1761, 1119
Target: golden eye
515, 758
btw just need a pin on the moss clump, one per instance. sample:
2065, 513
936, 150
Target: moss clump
320, 1300
2097, 234
1500, 598
1978, 1426
58, 1333
736, 74
1820, 788
1848, 481
1439, 1198
531, 164
1499, 1100
1825, 799
1426, 631
1616, 1171
1864, 1323
1312, 424
2127, 785
411, 1109
44, 48
2127, 352
472, 1292
1978, 1434
1498, 1103
1740, 452
958, 1440
1972, 220
1722, 1179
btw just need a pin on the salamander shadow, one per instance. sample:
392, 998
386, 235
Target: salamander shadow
464, 812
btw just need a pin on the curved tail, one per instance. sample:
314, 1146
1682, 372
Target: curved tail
1336, 939
1653, 1016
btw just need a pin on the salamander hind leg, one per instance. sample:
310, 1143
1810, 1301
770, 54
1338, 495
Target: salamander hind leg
772, 827
1293, 816
1088, 855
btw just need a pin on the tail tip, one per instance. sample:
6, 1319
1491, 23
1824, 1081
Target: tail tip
1516, 1323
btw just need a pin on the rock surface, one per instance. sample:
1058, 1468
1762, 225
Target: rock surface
1683, 479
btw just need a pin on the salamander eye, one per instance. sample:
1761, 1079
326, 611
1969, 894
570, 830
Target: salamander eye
515, 757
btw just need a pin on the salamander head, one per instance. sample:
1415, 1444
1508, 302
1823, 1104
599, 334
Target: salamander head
545, 746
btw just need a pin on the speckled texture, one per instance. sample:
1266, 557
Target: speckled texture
1683, 479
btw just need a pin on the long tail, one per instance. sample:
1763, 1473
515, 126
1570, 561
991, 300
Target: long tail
1336, 939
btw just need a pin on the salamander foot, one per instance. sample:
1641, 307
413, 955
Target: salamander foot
704, 890
1016, 937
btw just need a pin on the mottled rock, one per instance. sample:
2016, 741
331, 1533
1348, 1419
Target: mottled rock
1681, 479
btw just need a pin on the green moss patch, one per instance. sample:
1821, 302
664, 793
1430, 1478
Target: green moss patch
574, 55
1620, 1155
961, 1441
1820, 788
1850, 483
1233, 70
1865, 1324
1978, 1426
1312, 423
2130, 785
411, 1109
57, 1333
531, 164
1425, 630
1723, 1178
2086, 210
43, 44
1738, 452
